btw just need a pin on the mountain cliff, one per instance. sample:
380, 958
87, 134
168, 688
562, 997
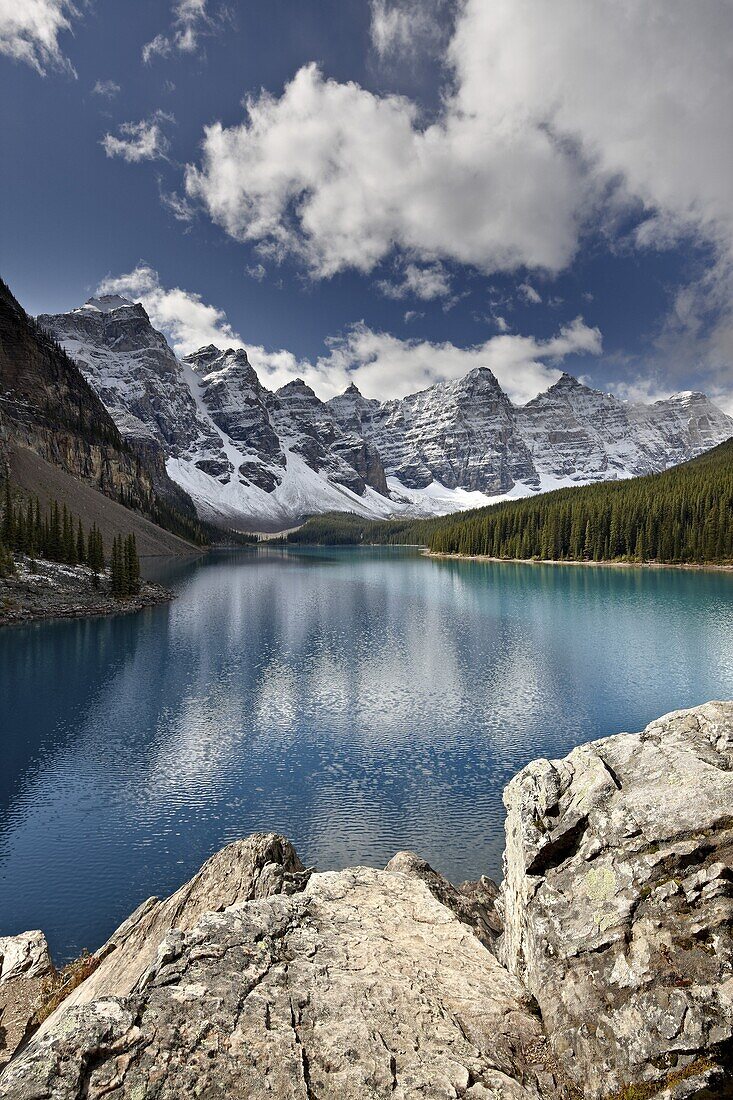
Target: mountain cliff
49, 408
249, 456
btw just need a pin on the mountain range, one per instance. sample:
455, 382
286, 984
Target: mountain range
251, 457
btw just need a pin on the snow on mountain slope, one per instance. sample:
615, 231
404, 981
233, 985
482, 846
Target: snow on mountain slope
461, 434
261, 460
467, 434
246, 455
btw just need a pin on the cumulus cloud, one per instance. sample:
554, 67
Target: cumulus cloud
339, 177
107, 89
30, 29
191, 20
550, 109
382, 365
426, 283
137, 141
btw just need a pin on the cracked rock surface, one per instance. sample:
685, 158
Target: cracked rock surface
603, 970
24, 964
361, 985
618, 905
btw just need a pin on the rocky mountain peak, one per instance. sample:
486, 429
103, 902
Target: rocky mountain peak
297, 386
220, 427
479, 378
107, 303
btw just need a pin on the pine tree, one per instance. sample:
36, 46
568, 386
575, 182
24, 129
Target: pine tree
81, 553
132, 565
8, 526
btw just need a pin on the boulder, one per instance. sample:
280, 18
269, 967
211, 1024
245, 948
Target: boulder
362, 985
260, 865
618, 906
25, 964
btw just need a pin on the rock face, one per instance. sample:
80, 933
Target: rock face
611, 978
361, 985
618, 905
250, 456
24, 964
580, 434
47, 405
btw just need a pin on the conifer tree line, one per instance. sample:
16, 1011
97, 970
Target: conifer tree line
124, 567
57, 536
684, 515
681, 516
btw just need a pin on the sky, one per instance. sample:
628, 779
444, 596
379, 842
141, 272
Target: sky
389, 192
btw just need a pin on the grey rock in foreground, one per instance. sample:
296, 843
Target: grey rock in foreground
256, 867
361, 985
24, 965
618, 905
260, 979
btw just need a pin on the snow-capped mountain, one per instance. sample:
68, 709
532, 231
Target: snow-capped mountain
251, 457
461, 434
245, 455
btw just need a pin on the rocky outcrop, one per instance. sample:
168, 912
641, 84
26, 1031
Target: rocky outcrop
603, 970
256, 867
24, 966
360, 985
618, 905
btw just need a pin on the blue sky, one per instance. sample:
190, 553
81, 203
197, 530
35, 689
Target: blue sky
453, 183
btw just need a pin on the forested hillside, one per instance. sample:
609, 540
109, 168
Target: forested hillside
684, 515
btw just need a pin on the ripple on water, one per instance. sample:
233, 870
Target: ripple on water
358, 702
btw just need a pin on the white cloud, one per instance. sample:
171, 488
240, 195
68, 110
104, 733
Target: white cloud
191, 20
382, 365
528, 292
551, 108
339, 177
144, 140
30, 29
426, 283
175, 204
408, 28
107, 89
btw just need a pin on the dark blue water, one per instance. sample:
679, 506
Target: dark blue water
360, 701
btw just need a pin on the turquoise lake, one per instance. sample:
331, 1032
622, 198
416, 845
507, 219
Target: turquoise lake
359, 701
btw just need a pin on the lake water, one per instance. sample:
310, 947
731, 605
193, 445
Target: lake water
359, 701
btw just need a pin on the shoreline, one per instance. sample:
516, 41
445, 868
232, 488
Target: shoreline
154, 595
52, 590
710, 567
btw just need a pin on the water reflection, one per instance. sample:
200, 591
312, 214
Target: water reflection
359, 701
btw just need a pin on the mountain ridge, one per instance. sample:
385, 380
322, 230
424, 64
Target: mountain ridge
251, 456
